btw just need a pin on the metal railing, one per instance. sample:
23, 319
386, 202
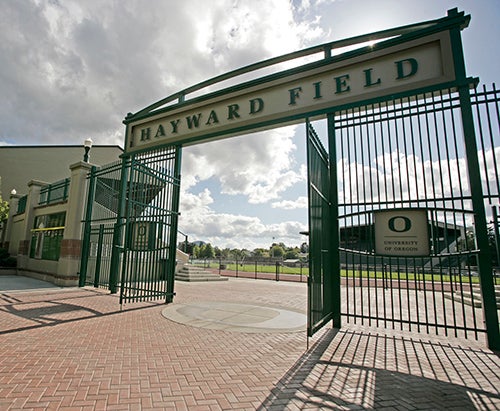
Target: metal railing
256, 268
21, 205
55, 192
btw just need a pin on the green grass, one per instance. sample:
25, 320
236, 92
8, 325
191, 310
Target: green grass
250, 268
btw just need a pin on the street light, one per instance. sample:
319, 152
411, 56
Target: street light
87, 144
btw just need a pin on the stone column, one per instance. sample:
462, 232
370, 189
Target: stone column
13, 202
69, 258
34, 187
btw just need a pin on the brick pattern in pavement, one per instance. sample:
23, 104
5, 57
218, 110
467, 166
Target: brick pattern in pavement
75, 350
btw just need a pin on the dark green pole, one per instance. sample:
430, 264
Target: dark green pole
334, 224
87, 229
172, 248
118, 231
484, 252
496, 233
99, 256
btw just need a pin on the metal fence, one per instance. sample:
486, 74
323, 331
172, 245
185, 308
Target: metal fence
55, 192
150, 223
410, 153
275, 269
99, 224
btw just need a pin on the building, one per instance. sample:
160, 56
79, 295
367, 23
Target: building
21, 164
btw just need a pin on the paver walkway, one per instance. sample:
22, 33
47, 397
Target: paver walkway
73, 349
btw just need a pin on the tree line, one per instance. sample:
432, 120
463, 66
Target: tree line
276, 250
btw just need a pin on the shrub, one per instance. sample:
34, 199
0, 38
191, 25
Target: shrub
6, 260
9, 262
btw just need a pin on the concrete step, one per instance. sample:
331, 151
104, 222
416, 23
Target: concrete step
473, 297
193, 273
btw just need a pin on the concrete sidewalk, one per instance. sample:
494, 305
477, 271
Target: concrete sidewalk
73, 349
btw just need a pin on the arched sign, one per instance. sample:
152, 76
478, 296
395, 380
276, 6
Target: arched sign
393, 67
406, 62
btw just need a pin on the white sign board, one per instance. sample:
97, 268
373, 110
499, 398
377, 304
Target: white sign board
141, 236
402, 232
287, 97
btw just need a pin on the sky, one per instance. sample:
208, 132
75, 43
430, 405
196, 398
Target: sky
72, 69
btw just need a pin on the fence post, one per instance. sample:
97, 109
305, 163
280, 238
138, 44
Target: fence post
87, 228
476, 189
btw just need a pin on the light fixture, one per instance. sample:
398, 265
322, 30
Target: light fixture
87, 144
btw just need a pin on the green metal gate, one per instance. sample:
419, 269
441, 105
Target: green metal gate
103, 200
131, 221
320, 296
412, 154
149, 219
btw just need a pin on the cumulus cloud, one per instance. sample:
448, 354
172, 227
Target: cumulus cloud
231, 230
72, 69
259, 166
300, 202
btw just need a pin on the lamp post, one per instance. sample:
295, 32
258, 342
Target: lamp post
87, 144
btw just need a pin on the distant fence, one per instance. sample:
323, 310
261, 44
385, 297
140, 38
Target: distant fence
265, 269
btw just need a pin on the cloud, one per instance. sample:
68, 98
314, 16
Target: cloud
301, 202
395, 176
200, 221
71, 70
259, 166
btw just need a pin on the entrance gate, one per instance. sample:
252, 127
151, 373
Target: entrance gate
103, 200
400, 235
131, 221
320, 298
409, 154
150, 222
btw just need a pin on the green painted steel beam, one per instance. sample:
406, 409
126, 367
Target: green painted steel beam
87, 228
334, 225
484, 252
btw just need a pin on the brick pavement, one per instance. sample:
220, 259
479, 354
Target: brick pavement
73, 349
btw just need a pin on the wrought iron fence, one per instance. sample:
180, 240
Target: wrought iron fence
409, 153
21, 205
55, 192
276, 269
99, 224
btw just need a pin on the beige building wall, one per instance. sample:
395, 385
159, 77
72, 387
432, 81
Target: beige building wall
20, 164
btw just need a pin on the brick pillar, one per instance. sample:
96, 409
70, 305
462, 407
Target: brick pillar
69, 258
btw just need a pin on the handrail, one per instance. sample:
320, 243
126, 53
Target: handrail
57, 191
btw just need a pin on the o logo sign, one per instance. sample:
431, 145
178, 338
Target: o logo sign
399, 224
142, 231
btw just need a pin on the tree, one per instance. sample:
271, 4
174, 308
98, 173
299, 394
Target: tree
207, 251
292, 253
304, 248
4, 209
277, 251
260, 252
196, 251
